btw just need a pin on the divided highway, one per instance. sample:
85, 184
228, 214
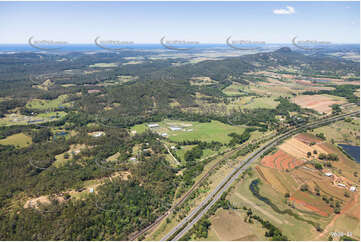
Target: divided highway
187, 223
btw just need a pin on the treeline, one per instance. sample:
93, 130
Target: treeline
6, 105
240, 138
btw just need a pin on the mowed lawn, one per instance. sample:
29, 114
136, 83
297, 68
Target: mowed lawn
20, 140
212, 131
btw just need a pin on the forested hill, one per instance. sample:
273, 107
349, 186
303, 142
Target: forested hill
156, 82
13, 66
232, 67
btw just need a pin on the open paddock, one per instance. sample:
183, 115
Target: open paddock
228, 225
311, 203
320, 103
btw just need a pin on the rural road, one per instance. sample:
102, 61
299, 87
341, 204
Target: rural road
227, 153
171, 154
210, 200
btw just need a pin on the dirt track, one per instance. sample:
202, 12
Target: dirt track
255, 206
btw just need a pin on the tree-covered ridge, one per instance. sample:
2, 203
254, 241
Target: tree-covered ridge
120, 208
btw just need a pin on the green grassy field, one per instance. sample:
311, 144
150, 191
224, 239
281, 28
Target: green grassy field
51, 114
20, 140
234, 89
212, 131
104, 65
48, 104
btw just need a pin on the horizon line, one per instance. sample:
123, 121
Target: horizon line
219, 43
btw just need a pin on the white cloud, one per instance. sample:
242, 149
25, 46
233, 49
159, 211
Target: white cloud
288, 10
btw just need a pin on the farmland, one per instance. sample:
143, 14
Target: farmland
290, 226
116, 142
317, 202
320, 103
20, 140
229, 225
48, 104
212, 131
342, 132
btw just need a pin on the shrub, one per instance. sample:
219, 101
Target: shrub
304, 188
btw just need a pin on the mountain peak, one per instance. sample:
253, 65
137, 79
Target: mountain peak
284, 50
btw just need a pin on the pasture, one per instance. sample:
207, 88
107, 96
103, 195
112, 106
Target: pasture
43, 104
19, 139
210, 131
342, 131
103, 65
229, 225
290, 226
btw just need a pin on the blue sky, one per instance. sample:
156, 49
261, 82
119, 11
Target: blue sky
206, 22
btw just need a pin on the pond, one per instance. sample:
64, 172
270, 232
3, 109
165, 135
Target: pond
353, 151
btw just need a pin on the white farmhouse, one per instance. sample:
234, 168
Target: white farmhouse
328, 174
153, 125
174, 128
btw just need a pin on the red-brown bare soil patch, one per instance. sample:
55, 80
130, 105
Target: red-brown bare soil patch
281, 161
319, 103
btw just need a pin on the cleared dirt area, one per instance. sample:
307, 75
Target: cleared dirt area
308, 138
75, 149
320, 103
89, 186
292, 153
202, 80
43, 200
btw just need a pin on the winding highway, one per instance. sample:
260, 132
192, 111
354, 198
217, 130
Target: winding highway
187, 223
